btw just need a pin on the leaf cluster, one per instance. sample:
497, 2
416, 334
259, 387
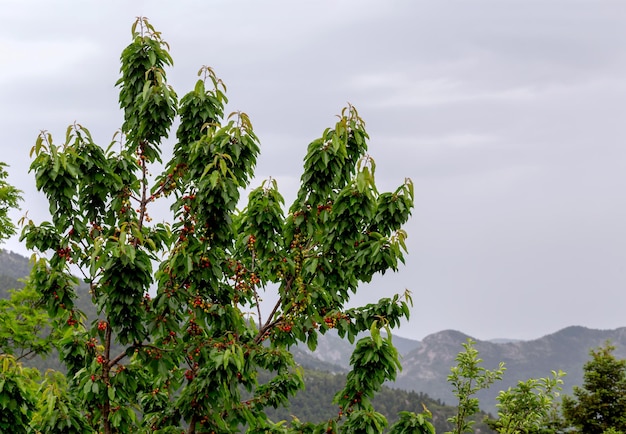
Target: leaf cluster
527, 406
600, 403
467, 378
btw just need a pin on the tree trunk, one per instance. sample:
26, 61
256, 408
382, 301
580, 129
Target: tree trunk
192, 424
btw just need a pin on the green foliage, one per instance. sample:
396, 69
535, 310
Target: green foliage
467, 378
9, 199
600, 404
411, 423
55, 412
24, 326
149, 104
527, 406
190, 355
374, 361
20, 334
17, 399
364, 422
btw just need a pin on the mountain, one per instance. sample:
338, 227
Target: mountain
13, 265
12, 268
336, 351
426, 368
426, 364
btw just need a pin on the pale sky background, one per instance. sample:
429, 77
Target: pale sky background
508, 115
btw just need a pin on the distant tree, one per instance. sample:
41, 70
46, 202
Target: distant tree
599, 404
10, 197
55, 411
527, 407
411, 423
17, 335
191, 353
25, 331
467, 378
24, 325
17, 395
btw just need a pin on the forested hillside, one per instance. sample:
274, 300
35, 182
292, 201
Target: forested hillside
313, 404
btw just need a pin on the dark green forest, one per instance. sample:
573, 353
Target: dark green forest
313, 403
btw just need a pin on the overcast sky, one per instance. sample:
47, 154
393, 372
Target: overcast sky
509, 116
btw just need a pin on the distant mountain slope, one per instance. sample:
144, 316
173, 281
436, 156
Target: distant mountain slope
405, 345
12, 267
337, 351
427, 368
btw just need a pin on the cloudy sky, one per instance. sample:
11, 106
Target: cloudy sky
508, 115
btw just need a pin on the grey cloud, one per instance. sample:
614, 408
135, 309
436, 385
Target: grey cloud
508, 116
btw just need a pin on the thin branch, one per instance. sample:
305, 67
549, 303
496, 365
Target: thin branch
107, 341
25, 355
106, 369
120, 356
192, 424
144, 189
269, 323
255, 292
258, 305
117, 359
271, 315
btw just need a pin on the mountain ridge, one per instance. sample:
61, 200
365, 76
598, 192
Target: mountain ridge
426, 368
426, 363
